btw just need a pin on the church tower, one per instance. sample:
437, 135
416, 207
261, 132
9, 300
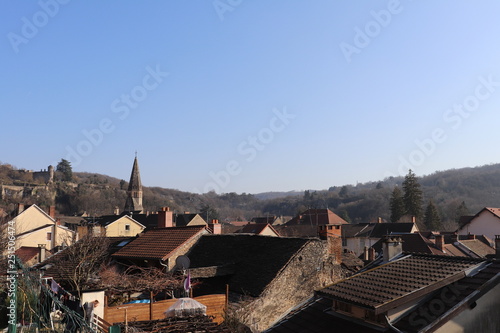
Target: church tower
134, 192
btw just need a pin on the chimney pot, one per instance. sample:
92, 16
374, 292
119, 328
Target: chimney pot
365, 253
52, 211
20, 208
165, 218
216, 227
41, 252
371, 254
392, 247
440, 242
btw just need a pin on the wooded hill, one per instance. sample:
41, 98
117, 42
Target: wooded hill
99, 194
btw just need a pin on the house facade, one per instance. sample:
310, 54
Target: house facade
34, 227
355, 237
485, 222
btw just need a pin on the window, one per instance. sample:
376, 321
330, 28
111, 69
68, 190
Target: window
49, 236
127, 227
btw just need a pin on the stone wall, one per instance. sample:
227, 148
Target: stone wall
310, 269
184, 248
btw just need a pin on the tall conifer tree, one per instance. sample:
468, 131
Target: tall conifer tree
412, 197
397, 204
432, 220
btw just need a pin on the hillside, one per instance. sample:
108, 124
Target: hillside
99, 194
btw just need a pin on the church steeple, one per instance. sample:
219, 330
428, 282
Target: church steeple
134, 192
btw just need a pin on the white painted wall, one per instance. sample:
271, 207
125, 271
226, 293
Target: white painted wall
484, 224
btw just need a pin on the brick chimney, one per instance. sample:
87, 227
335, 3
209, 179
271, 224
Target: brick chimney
497, 246
332, 233
20, 208
392, 246
216, 227
440, 242
52, 211
165, 218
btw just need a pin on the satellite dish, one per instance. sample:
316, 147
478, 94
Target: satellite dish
182, 262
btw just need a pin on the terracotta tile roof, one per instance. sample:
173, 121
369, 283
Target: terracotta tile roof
495, 211
399, 281
158, 243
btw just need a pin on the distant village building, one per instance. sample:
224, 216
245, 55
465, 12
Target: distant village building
485, 222
46, 176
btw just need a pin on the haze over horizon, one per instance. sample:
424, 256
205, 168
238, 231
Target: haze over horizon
240, 96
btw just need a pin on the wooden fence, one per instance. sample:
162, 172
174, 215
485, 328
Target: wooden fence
152, 311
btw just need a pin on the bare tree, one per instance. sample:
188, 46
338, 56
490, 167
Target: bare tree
80, 263
139, 279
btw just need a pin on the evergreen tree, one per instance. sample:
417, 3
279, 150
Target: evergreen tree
64, 167
432, 220
462, 210
397, 204
412, 197
343, 192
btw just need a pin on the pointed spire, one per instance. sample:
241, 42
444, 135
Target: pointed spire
134, 192
135, 178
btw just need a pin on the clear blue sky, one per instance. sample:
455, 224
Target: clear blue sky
250, 96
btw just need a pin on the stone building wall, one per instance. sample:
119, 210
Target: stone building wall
310, 269
184, 248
